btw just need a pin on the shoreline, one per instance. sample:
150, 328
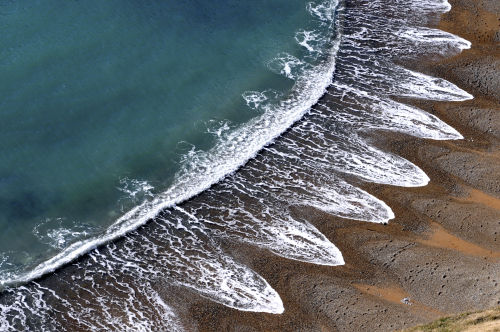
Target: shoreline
266, 247
442, 251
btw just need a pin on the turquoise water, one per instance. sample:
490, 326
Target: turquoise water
100, 101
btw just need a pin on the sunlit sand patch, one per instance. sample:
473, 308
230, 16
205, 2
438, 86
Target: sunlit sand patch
396, 295
441, 238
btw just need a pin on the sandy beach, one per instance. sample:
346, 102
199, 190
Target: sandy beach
441, 254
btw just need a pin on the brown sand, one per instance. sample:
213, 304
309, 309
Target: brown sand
394, 294
441, 238
480, 197
443, 249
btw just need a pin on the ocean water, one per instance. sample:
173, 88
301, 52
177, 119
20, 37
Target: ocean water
147, 134
101, 101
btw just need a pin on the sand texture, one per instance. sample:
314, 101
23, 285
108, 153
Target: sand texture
441, 254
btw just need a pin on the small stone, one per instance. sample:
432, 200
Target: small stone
406, 301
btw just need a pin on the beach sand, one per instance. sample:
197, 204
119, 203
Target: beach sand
442, 251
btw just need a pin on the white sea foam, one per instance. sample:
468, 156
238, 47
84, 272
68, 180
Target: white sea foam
369, 111
120, 307
428, 5
309, 39
134, 188
260, 100
179, 250
325, 11
433, 37
246, 215
52, 232
218, 128
254, 99
288, 66
131, 297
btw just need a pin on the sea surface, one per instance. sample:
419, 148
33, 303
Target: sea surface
136, 137
101, 102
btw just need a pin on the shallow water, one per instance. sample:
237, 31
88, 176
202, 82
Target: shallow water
267, 203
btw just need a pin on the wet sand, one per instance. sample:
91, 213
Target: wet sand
442, 251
